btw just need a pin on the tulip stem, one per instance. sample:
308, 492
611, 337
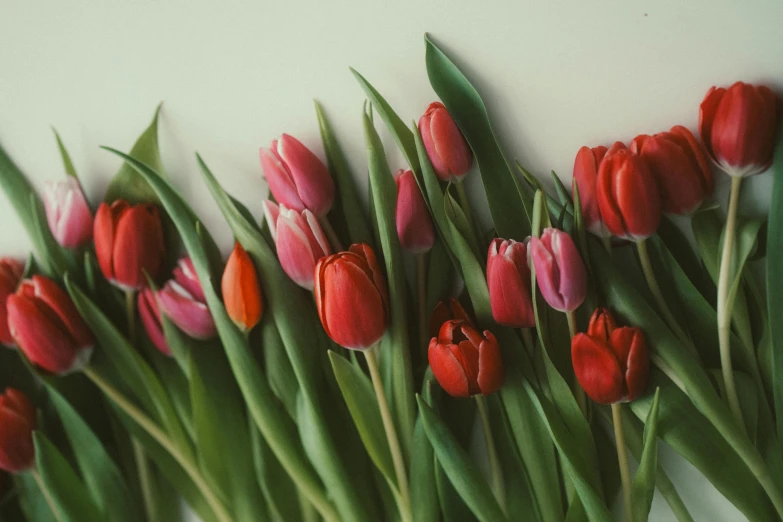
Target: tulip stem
391, 436
421, 286
655, 289
46, 494
465, 204
145, 480
579, 392
725, 304
622, 458
148, 425
498, 485
130, 314
331, 235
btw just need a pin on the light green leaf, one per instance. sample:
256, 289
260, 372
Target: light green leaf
67, 163
643, 486
279, 491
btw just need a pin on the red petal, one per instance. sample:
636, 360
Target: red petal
60, 303
447, 370
490, 377
597, 369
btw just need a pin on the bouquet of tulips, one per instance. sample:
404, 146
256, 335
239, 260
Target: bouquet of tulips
401, 361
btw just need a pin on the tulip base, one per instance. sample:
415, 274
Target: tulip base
622, 458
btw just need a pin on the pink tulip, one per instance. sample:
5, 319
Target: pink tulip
300, 242
560, 271
182, 300
150, 319
508, 278
296, 177
67, 212
414, 224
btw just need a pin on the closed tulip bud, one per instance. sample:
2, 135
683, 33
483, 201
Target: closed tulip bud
182, 300
447, 149
414, 224
67, 212
17, 423
299, 240
128, 243
560, 271
296, 177
680, 169
628, 196
611, 370
508, 279
585, 176
241, 290
352, 299
11, 271
446, 312
738, 127
150, 319
602, 324
465, 362
46, 326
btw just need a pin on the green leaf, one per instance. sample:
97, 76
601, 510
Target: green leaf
643, 486
67, 163
424, 493
102, 478
67, 491
279, 371
775, 284
504, 194
279, 491
462, 472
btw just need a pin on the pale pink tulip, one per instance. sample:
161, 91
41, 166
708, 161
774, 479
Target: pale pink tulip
67, 212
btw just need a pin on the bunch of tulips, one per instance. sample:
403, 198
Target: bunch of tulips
141, 368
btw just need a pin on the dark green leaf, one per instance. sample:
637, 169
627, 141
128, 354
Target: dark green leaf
643, 487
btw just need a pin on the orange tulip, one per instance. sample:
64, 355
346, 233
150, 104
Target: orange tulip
241, 290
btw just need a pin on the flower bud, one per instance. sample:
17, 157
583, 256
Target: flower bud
182, 300
447, 149
150, 319
11, 271
296, 177
465, 362
414, 224
738, 127
585, 176
352, 299
602, 324
46, 326
241, 290
67, 212
17, 423
560, 271
128, 243
446, 312
680, 169
508, 279
299, 240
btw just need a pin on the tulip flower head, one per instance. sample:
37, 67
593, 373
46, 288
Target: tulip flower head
182, 300
602, 324
150, 319
296, 177
67, 212
17, 423
627, 194
560, 271
445, 312
11, 271
299, 240
128, 243
241, 290
612, 369
447, 149
352, 299
508, 279
414, 224
46, 326
465, 362
586, 167
680, 168
738, 127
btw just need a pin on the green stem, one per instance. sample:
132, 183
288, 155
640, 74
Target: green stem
464, 202
391, 436
655, 289
140, 418
331, 235
579, 392
724, 306
46, 494
148, 493
421, 289
622, 458
130, 314
496, 472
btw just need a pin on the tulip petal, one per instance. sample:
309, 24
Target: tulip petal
150, 319
271, 213
65, 314
450, 143
597, 369
190, 315
138, 246
241, 289
631, 349
104, 231
508, 281
294, 249
490, 375
447, 370
313, 182
17, 418
279, 179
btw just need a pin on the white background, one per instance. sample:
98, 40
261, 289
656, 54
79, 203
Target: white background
556, 75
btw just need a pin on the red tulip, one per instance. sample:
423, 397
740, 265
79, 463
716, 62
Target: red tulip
738, 127
47, 327
602, 324
351, 296
150, 318
182, 300
680, 168
296, 177
241, 290
445, 312
414, 224
628, 197
17, 423
11, 271
128, 243
508, 279
560, 271
585, 176
447, 149
611, 370
465, 362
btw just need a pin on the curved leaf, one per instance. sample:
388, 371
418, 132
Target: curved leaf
643, 487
